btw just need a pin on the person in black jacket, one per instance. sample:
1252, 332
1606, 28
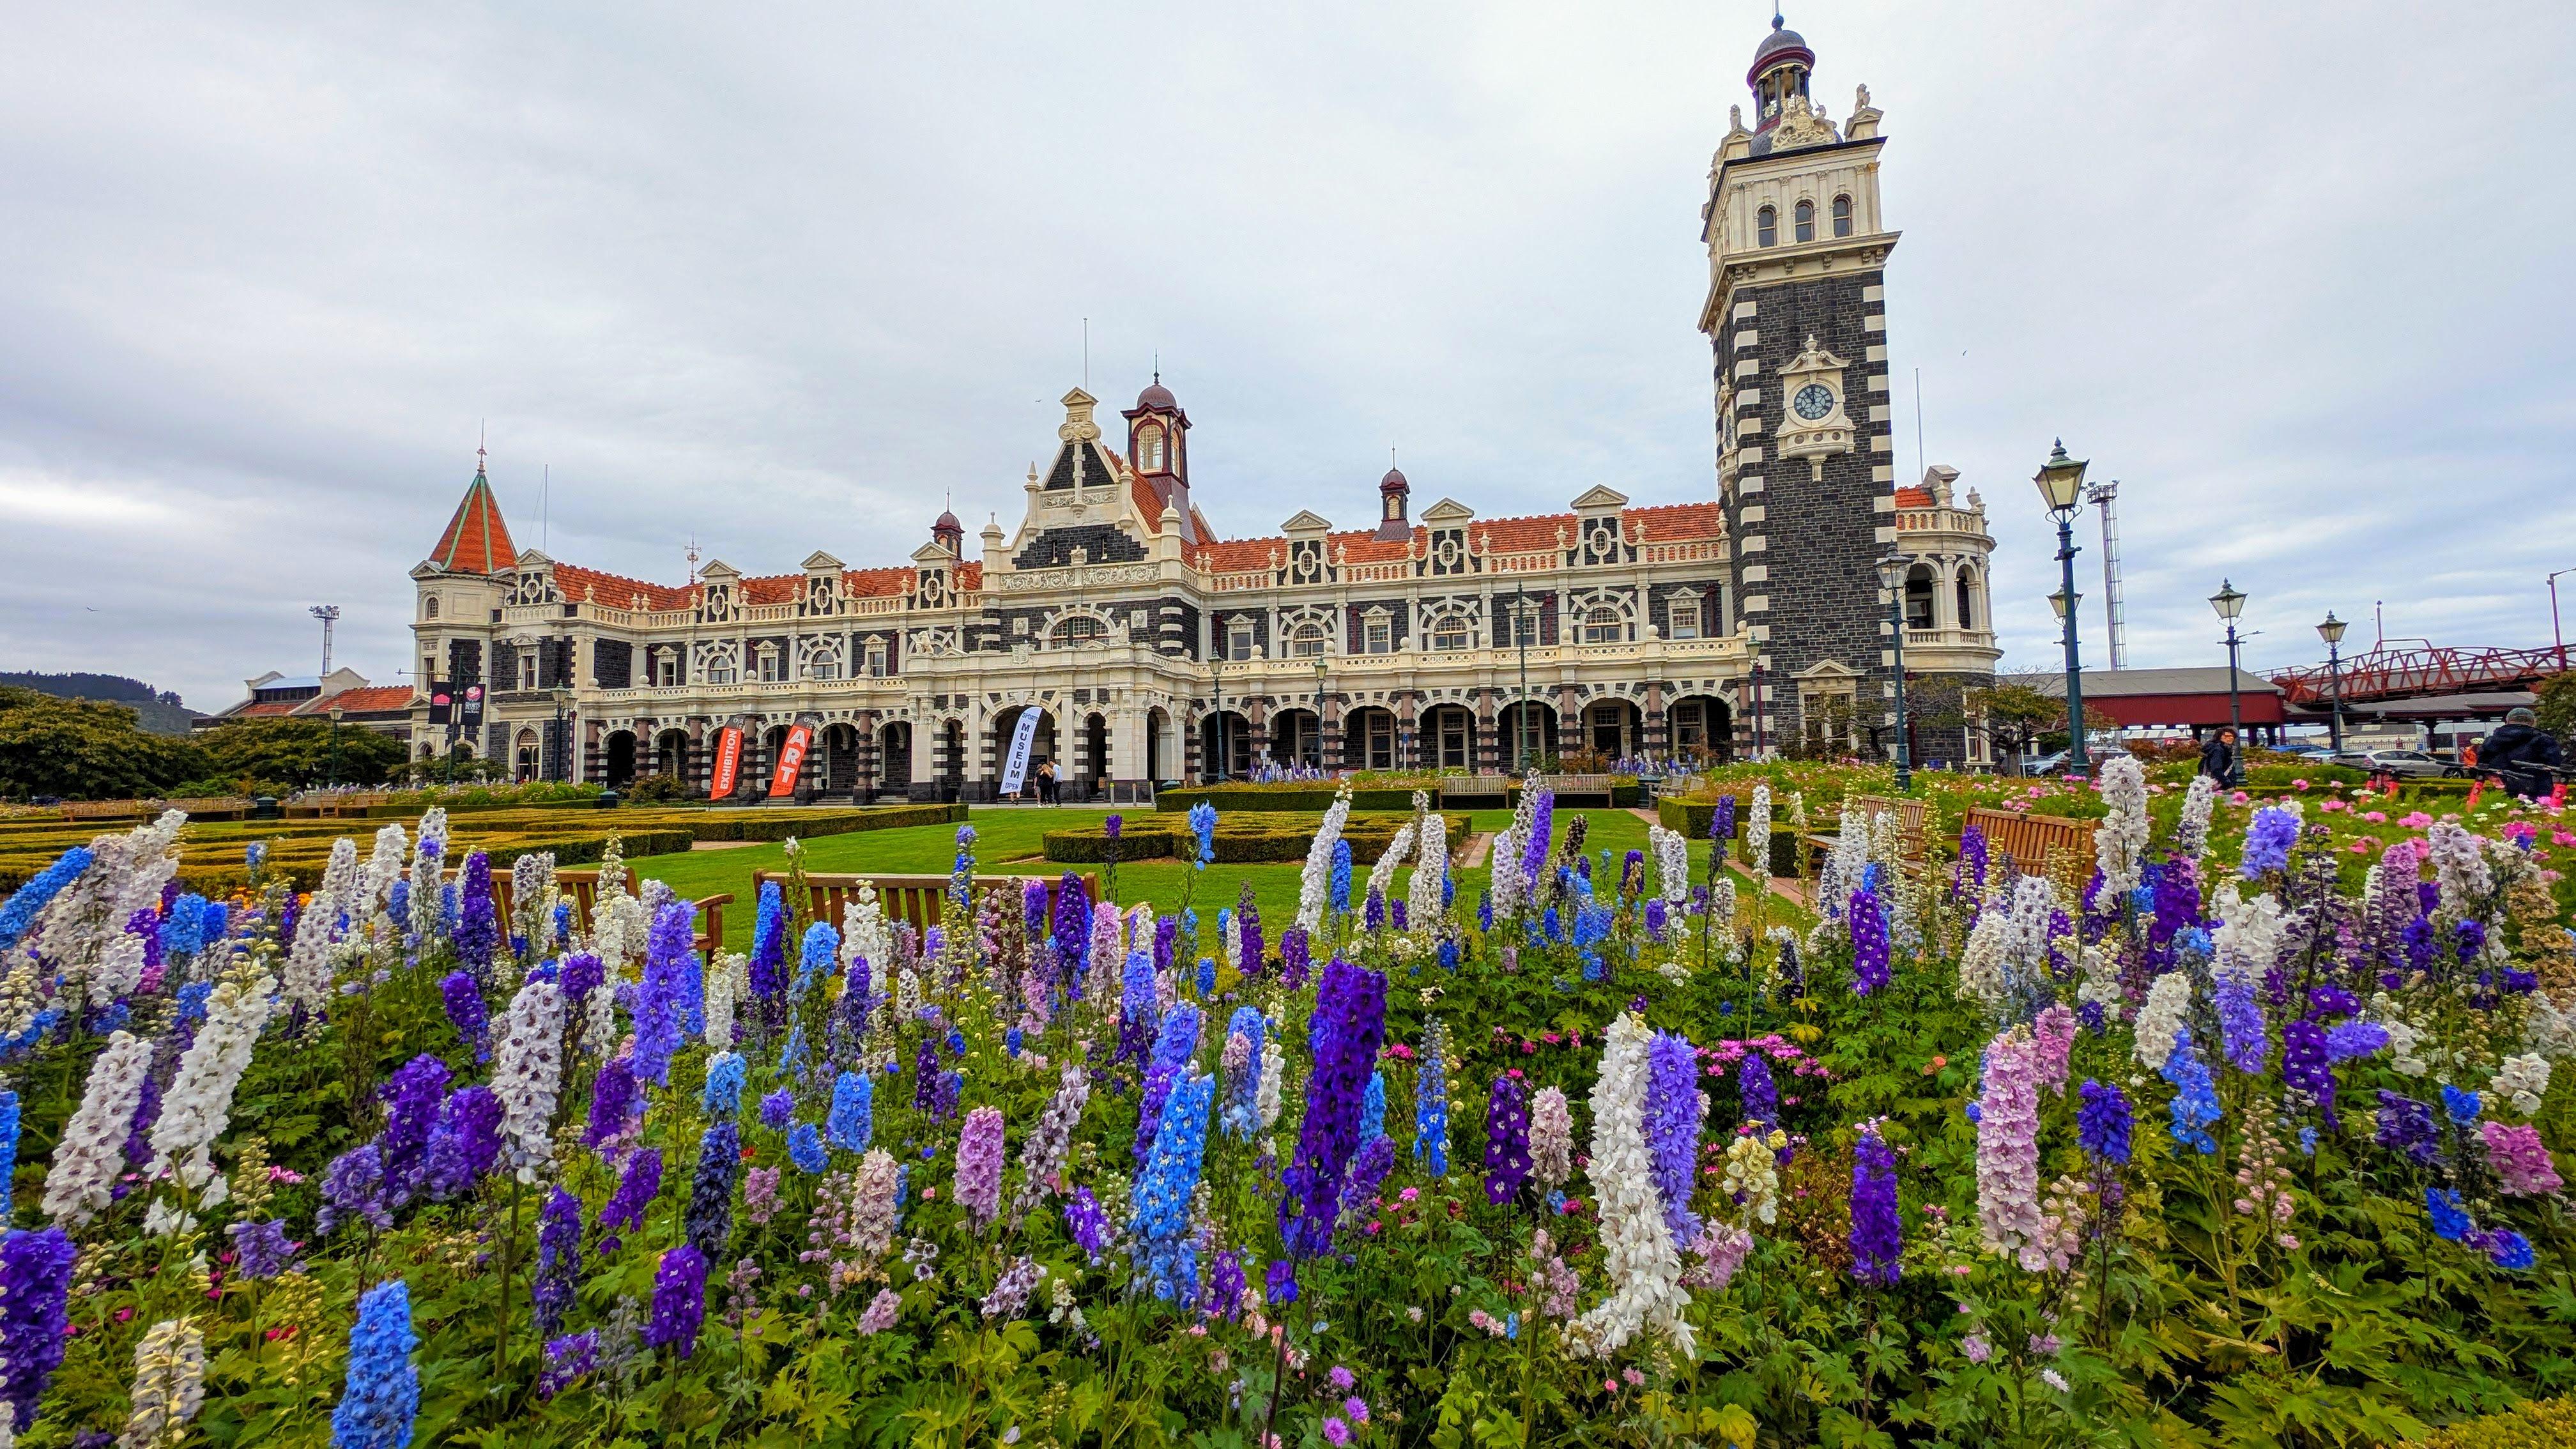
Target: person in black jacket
2218, 757
2522, 753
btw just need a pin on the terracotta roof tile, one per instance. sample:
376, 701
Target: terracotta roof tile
1663, 523
371, 700
264, 709
615, 590
1913, 497
476, 540
874, 583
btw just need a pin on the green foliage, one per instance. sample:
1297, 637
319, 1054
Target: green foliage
2556, 707
79, 749
1242, 837
300, 752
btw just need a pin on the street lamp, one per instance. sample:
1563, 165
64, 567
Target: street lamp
2229, 603
1319, 711
338, 712
1520, 636
2061, 487
563, 737
2331, 631
1892, 570
1216, 678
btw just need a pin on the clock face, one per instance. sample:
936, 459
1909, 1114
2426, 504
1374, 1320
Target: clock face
1813, 401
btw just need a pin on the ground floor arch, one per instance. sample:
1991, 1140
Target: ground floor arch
1527, 735
1701, 727
1044, 745
1449, 738
618, 758
1297, 738
527, 756
1613, 728
1368, 738
894, 751
840, 747
1225, 740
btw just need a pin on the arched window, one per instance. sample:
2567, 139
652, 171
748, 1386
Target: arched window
1766, 228
1842, 216
1449, 631
1076, 629
1601, 626
429, 607
1307, 642
1149, 448
1967, 599
1805, 215
1918, 597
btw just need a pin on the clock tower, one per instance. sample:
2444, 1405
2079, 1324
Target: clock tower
1806, 467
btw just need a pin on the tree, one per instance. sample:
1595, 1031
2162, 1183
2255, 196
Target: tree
2557, 708
297, 752
2020, 718
82, 749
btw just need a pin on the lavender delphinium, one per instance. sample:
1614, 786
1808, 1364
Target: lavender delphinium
2307, 1067
1351, 1007
467, 1012
777, 1109
708, 1223
1088, 1224
679, 1301
465, 1142
261, 1249
1138, 1008
2268, 840
1174, 1045
1672, 1126
1507, 1145
558, 1260
35, 1321
1368, 1170
661, 998
353, 1186
1877, 1237
2241, 1035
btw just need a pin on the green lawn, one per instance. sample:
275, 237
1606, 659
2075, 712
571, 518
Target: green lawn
1008, 842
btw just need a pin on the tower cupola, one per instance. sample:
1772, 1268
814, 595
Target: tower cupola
1158, 449
1782, 65
1394, 497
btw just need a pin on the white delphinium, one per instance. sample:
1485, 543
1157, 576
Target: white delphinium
864, 933
1845, 863
384, 867
308, 961
2522, 1080
2162, 1019
2459, 868
2549, 1030
1757, 831
1428, 896
1672, 863
599, 1011
1504, 856
92, 1151
2120, 845
2191, 833
1645, 1272
1985, 964
165, 1220
634, 931
612, 867
532, 898
2405, 1036
1551, 1138
2248, 938
22, 996
1381, 876
200, 1100
528, 1073
1266, 1096
119, 970
725, 981
428, 869
169, 1385
655, 895
1315, 885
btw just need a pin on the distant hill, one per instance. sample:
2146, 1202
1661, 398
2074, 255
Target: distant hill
158, 711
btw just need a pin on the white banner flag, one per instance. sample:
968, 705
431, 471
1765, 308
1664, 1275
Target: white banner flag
1015, 771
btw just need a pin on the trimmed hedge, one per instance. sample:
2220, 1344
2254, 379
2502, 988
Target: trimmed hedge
1625, 793
1244, 838
1691, 818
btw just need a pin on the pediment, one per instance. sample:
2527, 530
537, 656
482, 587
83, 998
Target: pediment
531, 560
1828, 669
1447, 511
933, 553
1307, 521
819, 562
425, 570
1600, 498
718, 571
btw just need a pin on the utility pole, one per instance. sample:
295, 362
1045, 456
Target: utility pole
2114, 604
329, 614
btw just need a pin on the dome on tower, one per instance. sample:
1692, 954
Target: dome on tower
947, 523
1778, 43
1156, 395
1393, 482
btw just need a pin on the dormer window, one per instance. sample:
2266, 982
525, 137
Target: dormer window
429, 607
1766, 227
1842, 216
1681, 617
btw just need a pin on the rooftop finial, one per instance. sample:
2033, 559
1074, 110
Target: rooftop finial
479, 429
1158, 364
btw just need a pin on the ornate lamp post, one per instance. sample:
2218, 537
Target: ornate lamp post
1216, 679
1525, 727
1891, 571
2229, 603
338, 712
2331, 631
562, 735
1319, 712
2061, 486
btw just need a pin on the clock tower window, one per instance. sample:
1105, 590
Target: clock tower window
1805, 213
1766, 227
1842, 216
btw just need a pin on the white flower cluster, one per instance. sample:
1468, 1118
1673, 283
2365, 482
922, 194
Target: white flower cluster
1315, 884
1645, 1272
529, 1073
864, 933
2248, 937
2120, 845
1381, 876
2459, 868
428, 866
2191, 833
2523, 1081
2549, 1030
1672, 863
1511, 886
92, 1151
384, 867
169, 1385
1757, 831
726, 982
200, 1101
308, 962
1551, 1137
1753, 1174
2405, 1038
84, 927
1845, 863
532, 898
1430, 874
2007, 950
2161, 1020
1274, 1073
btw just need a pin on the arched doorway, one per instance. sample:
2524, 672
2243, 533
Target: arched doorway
1095, 755
1296, 738
1612, 728
1043, 745
671, 755
1919, 586
894, 749
1368, 739
1703, 729
621, 759
773, 745
1449, 738
1527, 735
527, 756
952, 758
1225, 741
841, 759
1158, 745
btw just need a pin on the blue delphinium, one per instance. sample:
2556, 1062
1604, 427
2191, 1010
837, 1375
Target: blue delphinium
776, 1109
2195, 1103
8, 1147
1877, 1235
2268, 840
722, 1096
2102, 1123
1431, 1108
2240, 1021
805, 1149
1341, 877
19, 911
1174, 1045
2450, 1220
852, 1121
1672, 1122
1373, 1108
1207, 976
1138, 1009
383, 1395
1203, 825
2460, 1105
814, 961
1164, 1186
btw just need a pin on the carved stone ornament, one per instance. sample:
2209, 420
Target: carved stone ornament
1037, 580
1802, 124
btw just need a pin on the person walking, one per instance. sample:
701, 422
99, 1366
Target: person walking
1046, 783
2218, 758
2522, 754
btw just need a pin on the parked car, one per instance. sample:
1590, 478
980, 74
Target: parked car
2046, 764
2413, 764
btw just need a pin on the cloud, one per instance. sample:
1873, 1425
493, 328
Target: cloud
792, 278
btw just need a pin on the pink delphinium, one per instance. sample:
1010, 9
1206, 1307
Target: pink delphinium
2053, 1038
2520, 1159
979, 1165
760, 1195
2008, 1149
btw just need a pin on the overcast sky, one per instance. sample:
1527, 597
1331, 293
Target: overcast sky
786, 277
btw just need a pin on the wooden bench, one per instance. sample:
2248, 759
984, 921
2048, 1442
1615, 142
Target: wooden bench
1569, 789
2030, 841
1475, 792
1909, 828
918, 899
583, 887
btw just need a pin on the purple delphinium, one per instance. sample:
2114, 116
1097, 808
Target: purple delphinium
1247, 920
2306, 1068
35, 1293
1088, 1224
1369, 1167
709, 1220
412, 1098
636, 1189
1534, 850
679, 1301
1296, 957
467, 1013
2241, 1036
261, 1249
1507, 1146
661, 997
1138, 1009
353, 1185
465, 1143
2406, 1126
2267, 842
612, 1102
568, 1358
1351, 1008
2102, 1123
1072, 931
1869, 942
1033, 909
580, 975
1877, 1237
1672, 1124
558, 1259
777, 1109
478, 928
1760, 1095
1970, 882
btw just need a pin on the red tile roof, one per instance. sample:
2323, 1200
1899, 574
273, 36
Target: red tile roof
476, 540
1662, 523
371, 700
615, 590
1913, 497
265, 708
